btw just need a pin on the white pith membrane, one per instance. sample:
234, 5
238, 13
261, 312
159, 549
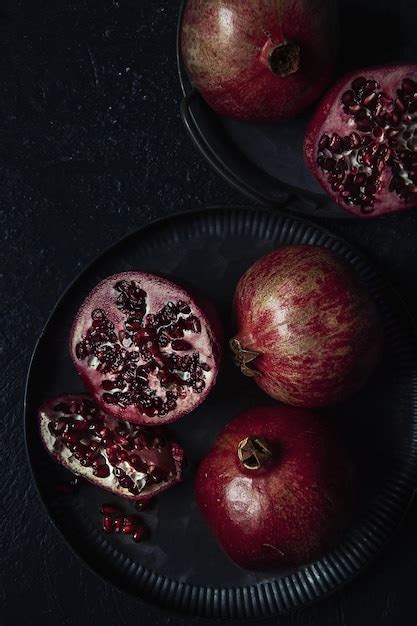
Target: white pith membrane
105, 459
150, 329
380, 152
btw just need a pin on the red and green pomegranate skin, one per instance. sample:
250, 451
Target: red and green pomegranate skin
308, 332
296, 500
263, 60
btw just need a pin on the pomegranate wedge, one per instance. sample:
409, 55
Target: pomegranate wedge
130, 461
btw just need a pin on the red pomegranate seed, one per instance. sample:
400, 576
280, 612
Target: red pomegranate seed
102, 471
118, 524
121, 440
107, 524
348, 97
409, 86
181, 345
358, 83
71, 437
139, 535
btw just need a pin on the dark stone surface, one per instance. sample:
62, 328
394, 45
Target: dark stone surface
92, 147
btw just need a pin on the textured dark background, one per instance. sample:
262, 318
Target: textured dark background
92, 147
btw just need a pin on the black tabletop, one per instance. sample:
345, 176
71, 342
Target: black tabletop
92, 147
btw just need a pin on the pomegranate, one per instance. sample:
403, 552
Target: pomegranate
261, 60
131, 461
146, 350
361, 144
308, 333
276, 488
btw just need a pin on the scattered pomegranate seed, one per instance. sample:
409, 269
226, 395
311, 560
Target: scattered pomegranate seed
107, 524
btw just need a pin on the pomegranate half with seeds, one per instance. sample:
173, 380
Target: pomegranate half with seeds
145, 348
276, 488
361, 144
131, 461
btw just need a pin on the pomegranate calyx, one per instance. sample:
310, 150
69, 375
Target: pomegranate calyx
282, 59
242, 357
254, 452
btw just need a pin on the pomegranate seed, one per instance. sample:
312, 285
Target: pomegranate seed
364, 125
139, 535
98, 461
129, 529
71, 437
370, 86
378, 132
107, 524
360, 179
118, 524
348, 97
109, 509
120, 439
355, 140
57, 427
370, 99
409, 86
102, 471
354, 109
122, 456
80, 425
358, 83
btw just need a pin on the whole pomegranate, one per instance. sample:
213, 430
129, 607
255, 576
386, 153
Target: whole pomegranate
147, 351
261, 60
361, 144
131, 461
308, 333
276, 488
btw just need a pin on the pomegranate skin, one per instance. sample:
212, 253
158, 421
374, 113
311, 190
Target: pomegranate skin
313, 331
290, 511
331, 117
228, 48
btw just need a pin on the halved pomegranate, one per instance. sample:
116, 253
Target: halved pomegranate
361, 144
147, 351
130, 461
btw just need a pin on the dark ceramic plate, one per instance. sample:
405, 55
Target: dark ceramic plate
265, 162
181, 567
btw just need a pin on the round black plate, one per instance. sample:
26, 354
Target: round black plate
266, 162
181, 567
